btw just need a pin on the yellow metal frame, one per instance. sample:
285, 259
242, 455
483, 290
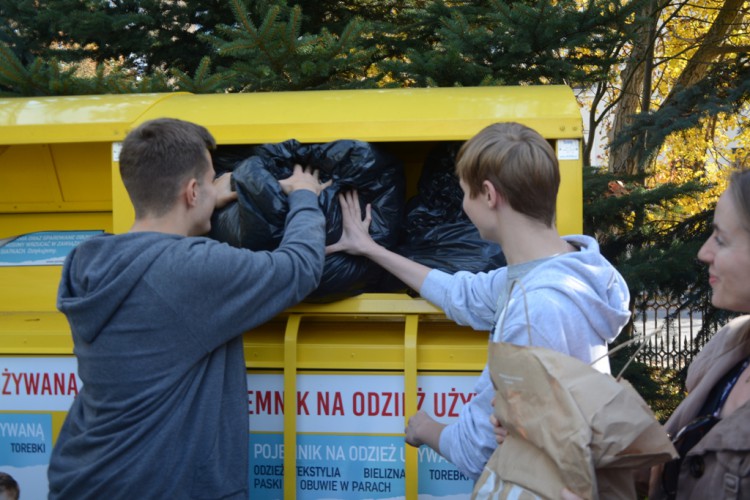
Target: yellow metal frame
58, 172
406, 315
290, 405
405, 115
71, 137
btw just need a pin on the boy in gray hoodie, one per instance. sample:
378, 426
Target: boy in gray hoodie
157, 316
577, 302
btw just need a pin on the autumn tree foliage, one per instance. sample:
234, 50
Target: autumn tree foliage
680, 69
678, 115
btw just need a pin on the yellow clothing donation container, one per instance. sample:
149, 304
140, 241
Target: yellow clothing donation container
335, 382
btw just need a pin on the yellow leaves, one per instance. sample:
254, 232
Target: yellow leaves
708, 151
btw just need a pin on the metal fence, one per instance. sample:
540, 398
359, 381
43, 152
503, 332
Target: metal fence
670, 332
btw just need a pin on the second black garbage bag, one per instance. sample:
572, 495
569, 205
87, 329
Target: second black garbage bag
256, 219
436, 231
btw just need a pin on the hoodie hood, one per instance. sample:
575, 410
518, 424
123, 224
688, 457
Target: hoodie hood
588, 279
99, 274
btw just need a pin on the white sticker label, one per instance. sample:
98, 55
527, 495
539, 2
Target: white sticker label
116, 148
45, 248
568, 149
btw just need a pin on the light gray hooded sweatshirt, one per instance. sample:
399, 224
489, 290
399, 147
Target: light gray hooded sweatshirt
577, 304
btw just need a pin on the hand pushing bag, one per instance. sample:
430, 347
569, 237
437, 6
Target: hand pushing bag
257, 219
569, 426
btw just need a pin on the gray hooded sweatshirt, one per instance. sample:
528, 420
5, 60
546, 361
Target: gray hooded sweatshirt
577, 303
157, 323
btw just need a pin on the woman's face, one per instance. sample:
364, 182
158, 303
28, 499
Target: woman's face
727, 253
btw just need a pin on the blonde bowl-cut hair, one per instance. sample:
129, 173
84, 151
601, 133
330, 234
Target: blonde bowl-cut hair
519, 163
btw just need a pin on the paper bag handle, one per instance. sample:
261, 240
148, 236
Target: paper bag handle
641, 339
505, 308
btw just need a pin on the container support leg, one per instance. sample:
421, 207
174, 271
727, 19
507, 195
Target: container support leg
290, 405
410, 402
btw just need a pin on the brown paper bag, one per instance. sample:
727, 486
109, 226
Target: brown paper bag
568, 426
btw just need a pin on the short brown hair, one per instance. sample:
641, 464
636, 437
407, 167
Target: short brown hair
519, 163
9, 486
157, 157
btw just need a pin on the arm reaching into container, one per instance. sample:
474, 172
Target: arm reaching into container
356, 240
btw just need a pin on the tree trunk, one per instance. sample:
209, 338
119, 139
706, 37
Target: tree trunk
710, 48
623, 158
626, 158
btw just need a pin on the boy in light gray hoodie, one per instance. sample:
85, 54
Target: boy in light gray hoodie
577, 301
157, 316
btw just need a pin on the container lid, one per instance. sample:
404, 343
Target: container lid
419, 114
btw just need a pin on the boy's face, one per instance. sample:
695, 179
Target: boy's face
476, 209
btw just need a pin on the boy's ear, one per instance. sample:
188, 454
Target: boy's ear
490, 194
190, 192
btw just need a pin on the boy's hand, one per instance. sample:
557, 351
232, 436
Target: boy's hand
415, 424
355, 237
566, 494
423, 429
497, 427
224, 193
303, 178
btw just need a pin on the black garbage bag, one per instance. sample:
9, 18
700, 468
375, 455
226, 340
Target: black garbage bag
437, 232
256, 219
228, 156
